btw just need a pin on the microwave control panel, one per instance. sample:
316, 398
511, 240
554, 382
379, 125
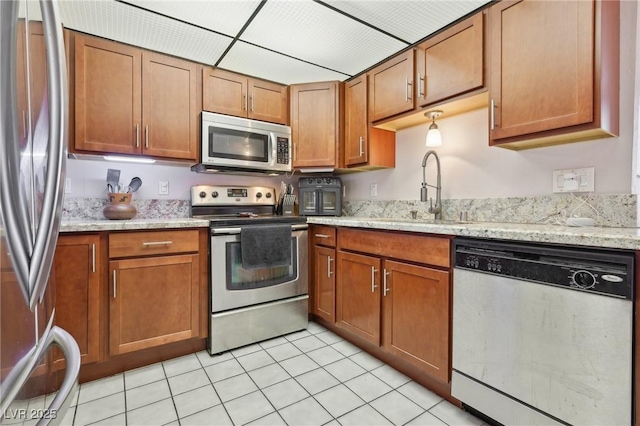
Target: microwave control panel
282, 150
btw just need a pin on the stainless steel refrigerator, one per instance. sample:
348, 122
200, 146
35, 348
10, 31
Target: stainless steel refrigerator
33, 132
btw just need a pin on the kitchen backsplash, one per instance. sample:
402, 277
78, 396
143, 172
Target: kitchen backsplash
612, 210
91, 208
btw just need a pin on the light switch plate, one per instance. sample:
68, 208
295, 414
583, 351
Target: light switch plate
574, 180
67, 186
163, 187
374, 190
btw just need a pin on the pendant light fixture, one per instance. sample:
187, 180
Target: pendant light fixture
434, 138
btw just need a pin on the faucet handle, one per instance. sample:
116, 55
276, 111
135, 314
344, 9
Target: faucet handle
430, 205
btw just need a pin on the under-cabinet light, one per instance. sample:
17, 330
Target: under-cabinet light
434, 138
129, 159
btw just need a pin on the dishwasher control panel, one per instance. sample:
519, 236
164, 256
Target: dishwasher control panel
604, 272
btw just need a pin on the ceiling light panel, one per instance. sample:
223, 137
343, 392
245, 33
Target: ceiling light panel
410, 20
128, 24
309, 31
224, 16
252, 60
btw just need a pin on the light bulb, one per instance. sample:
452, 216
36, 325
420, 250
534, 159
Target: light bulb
434, 138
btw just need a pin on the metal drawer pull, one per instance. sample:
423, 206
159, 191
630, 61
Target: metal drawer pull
329, 260
385, 289
420, 85
322, 236
146, 137
137, 135
373, 279
93, 258
114, 284
360, 142
157, 243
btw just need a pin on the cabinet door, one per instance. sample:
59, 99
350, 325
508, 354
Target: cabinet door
358, 295
268, 101
78, 285
107, 96
451, 63
153, 301
356, 143
325, 283
224, 92
315, 124
416, 316
542, 66
169, 105
391, 87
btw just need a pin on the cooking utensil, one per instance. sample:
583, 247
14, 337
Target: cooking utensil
113, 178
135, 184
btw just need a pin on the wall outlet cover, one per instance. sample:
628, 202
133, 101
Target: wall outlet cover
574, 180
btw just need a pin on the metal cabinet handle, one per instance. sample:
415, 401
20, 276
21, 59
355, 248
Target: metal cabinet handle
420, 85
251, 102
373, 279
406, 90
114, 284
295, 151
146, 136
492, 114
385, 288
137, 135
329, 272
157, 243
361, 150
244, 101
93, 258
321, 236
24, 124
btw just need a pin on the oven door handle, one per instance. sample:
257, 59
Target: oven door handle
232, 231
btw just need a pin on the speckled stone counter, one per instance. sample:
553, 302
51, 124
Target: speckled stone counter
623, 238
88, 225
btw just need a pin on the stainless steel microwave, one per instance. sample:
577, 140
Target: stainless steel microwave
242, 145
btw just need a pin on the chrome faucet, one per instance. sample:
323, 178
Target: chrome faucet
437, 210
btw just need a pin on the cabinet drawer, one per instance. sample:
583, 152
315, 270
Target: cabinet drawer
412, 247
152, 243
324, 236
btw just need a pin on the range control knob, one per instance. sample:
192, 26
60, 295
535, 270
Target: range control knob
259, 195
268, 195
583, 279
214, 194
202, 194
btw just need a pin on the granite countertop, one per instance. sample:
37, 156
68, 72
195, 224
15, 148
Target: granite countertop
72, 225
622, 238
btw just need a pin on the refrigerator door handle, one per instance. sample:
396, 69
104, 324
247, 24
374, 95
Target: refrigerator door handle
47, 233
13, 205
31, 360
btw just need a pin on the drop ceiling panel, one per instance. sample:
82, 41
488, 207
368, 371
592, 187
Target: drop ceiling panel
224, 16
127, 24
410, 20
252, 60
309, 31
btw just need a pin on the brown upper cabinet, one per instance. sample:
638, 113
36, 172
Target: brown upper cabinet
391, 87
364, 146
316, 124
225, 92
554, 72
451, 63
131, 101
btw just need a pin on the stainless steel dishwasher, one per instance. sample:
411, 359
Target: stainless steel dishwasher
542, 335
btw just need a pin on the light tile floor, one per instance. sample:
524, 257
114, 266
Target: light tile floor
311, 377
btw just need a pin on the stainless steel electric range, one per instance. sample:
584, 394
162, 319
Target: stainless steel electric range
258, 265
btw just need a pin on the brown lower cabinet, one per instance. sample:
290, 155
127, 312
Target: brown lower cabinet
385, 299
131, 298
77, 277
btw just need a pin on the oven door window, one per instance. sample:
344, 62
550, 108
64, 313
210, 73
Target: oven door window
309, 200
239, 278
329, 201
238, 145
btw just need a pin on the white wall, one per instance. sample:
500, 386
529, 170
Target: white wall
88, 179
472, 169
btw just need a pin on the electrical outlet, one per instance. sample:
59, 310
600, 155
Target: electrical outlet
374, 189
574, 180
163, 187
67, 186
